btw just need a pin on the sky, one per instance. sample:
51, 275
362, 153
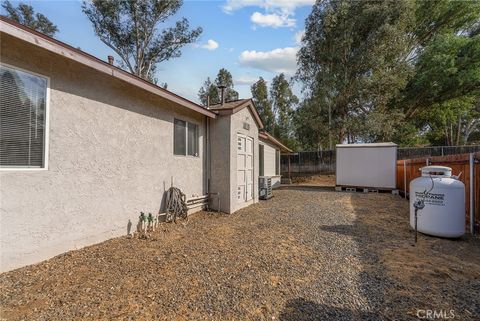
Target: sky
250, 38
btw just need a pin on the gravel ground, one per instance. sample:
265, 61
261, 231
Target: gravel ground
317, 180
303, 255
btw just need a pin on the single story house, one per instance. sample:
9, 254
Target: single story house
86, 146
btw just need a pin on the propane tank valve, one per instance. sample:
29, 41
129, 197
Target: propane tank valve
418, 205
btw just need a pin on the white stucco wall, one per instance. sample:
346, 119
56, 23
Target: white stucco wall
110, 157
220, 143
269, 160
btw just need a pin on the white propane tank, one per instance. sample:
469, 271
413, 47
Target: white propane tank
444, 199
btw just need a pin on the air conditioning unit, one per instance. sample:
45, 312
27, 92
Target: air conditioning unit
265, 185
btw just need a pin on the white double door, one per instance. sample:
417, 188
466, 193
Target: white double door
244, 168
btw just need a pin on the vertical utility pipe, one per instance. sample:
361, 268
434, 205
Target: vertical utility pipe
418, 205
416, 224
404, 178
472, 196
207, 152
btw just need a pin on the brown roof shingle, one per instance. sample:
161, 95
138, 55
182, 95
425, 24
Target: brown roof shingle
229, 105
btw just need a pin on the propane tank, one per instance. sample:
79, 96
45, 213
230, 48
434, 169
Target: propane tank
443, 196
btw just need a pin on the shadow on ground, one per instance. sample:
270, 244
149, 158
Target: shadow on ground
305, 310
399, 278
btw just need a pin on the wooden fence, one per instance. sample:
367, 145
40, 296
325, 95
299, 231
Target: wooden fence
408, 169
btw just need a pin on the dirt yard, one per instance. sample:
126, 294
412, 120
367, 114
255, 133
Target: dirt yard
303, 255
315, 180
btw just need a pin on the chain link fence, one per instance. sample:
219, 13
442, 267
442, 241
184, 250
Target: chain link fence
308, 163
323, 162
413, 152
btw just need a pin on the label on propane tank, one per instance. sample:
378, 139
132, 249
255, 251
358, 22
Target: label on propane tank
431, 198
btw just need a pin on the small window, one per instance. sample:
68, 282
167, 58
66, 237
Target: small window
23, 119
185, 138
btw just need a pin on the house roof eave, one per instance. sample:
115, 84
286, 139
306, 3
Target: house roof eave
43, 41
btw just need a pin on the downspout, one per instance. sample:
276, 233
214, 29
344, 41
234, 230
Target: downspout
207, 157
207, 149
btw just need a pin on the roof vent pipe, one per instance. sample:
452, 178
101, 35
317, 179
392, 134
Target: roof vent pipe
222, 94
110, 60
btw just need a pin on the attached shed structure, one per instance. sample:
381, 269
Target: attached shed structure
367, 165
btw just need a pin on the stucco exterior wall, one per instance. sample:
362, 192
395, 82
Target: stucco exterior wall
237, 121
269, 160
110, 157
220, 162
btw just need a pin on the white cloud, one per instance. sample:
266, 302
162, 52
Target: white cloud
210, 45
272, 20
286, 6
277, 60
298, 36
245, 80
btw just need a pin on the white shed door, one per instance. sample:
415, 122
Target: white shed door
244, 168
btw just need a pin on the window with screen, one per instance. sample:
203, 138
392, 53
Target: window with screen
23, 98
185, 138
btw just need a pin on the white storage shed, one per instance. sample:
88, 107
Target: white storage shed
367, 165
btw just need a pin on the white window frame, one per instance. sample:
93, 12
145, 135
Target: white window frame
187, 122
47, 125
